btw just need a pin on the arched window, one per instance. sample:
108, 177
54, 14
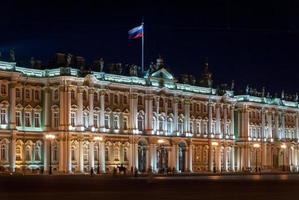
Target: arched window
154, 124
96, 153
37, 153
85, 152
140, 122
198, 128
161, 123
28, 153
106, 154
191, 127
4, 154
169, 125
181, 125
18, 153
55, 154
125, 154
115, 122
73, 153
107, 121
139, 100
18, 93
116, 154
27, 94
85, 120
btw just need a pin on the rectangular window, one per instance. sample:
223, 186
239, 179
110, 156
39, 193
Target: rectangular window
115, 122
106, 121
3, 116
95, 120
3, 90
125, 123
36, 95
18, 119
73, 119
27, 94
27, 119
56, 119
85, 120
18, 93
36, 119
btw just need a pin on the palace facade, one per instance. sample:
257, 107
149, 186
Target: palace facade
74, 120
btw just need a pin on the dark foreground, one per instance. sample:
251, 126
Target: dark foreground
128, 188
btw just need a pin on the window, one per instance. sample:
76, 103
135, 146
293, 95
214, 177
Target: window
107, 122
95, 96
139, 100
85, 120
169, 103
18, 93
180, 126
125, 121
161, 102
95, 120
3, 152
73, 97
169, 125
56, 96
198, 128
37, 119
115, 122
55, 154
27, 94
180, 105
37, 153
96, 153
3, 116
28, 154
106, 154
85, 153
125, 99
115, 99
73, 154
125, 154
18, 119
73, 119
161, 124
27, 119
205, 128
3, 90
56, 119
140, 123
191, 127
116, 154
36, 95
18, 153
154, 124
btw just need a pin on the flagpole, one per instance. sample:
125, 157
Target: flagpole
142, 53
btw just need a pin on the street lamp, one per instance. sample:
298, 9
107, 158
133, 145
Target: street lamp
214, 144
283, 146
256, 146
98, 139
50, 137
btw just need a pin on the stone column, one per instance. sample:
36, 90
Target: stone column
225, 158
46, 155
190, 159
173, 156
210, 160
175, 116
218, 123
269, 121
91, 154
13, 153
102, 157
210, 119
283, 125
81, 160
12, 101
149, 114
133, 112
263, 125
225, 133
232, 160
187, 116
80, 109
61, 154
91, 121
153, 153
297, 125
246, 122
277, 134
102, 110
46, 110
136, 156
232, 123
264, 155
69, 157
62, 107
69, 106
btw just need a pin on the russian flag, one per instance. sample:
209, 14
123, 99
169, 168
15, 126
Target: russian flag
136, 32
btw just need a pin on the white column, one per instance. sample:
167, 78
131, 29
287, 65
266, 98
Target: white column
173, 156
225, 158
225, 133
69, 157
210, 160
91, 121
232, 162
276, 126
210, 119
91, 154
297, 125
136, 155
232, 123
269, 121
13, 153
46, 110
61, 154
102, 157
62, 107
263, 124
80, 108
149, 114
187, 116
283, 125
264, 154
175, 115
81, 161
246, 122
12, 120
218, 129
102, 110
69, 106
133, 112
190, 159
153, 151
45, 155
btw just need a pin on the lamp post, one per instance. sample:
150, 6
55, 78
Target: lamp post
98, 139
214, 144
256, 146
50, 137
283, 147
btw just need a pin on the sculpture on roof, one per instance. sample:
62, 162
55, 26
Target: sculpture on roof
68, 59
12, 56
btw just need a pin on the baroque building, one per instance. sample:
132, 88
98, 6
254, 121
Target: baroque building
153, 122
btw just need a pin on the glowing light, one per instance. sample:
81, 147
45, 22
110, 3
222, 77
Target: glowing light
283, 146
50, 136
256, 145
98, 138
160, 141
215, 144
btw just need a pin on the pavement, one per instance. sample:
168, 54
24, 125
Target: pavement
267, 186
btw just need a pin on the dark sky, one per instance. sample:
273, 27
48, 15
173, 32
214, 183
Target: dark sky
254, 43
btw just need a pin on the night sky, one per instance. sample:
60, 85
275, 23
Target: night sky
252, 43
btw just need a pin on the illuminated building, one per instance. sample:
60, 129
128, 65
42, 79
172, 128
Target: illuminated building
95, 119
